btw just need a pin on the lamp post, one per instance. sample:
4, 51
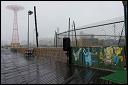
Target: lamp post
29, 13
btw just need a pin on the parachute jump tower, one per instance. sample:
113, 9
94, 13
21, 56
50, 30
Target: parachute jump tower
15, 36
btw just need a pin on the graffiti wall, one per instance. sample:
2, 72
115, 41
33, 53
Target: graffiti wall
103, 57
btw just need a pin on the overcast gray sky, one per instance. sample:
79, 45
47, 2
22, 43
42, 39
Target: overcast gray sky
53, 14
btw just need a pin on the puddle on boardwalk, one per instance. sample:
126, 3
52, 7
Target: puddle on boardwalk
18, 69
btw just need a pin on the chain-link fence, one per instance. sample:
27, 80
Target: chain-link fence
105, 33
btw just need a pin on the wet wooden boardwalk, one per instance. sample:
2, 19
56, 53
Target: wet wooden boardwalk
18, 69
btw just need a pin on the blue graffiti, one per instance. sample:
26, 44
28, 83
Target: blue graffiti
116, 59
87, 57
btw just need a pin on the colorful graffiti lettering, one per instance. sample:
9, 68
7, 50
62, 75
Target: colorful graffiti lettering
76, 54
95, 56
87, 56
113, 55
101, 55
90, 56
118, 52
108, 55
116, 59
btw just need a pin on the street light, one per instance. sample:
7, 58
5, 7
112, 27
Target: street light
29, 13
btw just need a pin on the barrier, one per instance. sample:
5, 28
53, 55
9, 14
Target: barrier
55, 53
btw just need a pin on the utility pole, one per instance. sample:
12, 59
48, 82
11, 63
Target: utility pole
36, 26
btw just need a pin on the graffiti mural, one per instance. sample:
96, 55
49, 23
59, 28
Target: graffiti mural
77, 56
85, 56
118, 53
108, 52
94, 56
89, 55
114, 55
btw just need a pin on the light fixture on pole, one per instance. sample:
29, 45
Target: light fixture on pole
29, 13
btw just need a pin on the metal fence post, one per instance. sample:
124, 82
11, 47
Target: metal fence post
56, 38
69, 28
125, 21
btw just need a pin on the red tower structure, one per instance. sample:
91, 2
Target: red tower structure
15, 36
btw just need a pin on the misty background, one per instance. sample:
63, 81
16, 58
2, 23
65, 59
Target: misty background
52, 15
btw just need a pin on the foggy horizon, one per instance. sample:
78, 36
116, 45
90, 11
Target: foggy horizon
54, 14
